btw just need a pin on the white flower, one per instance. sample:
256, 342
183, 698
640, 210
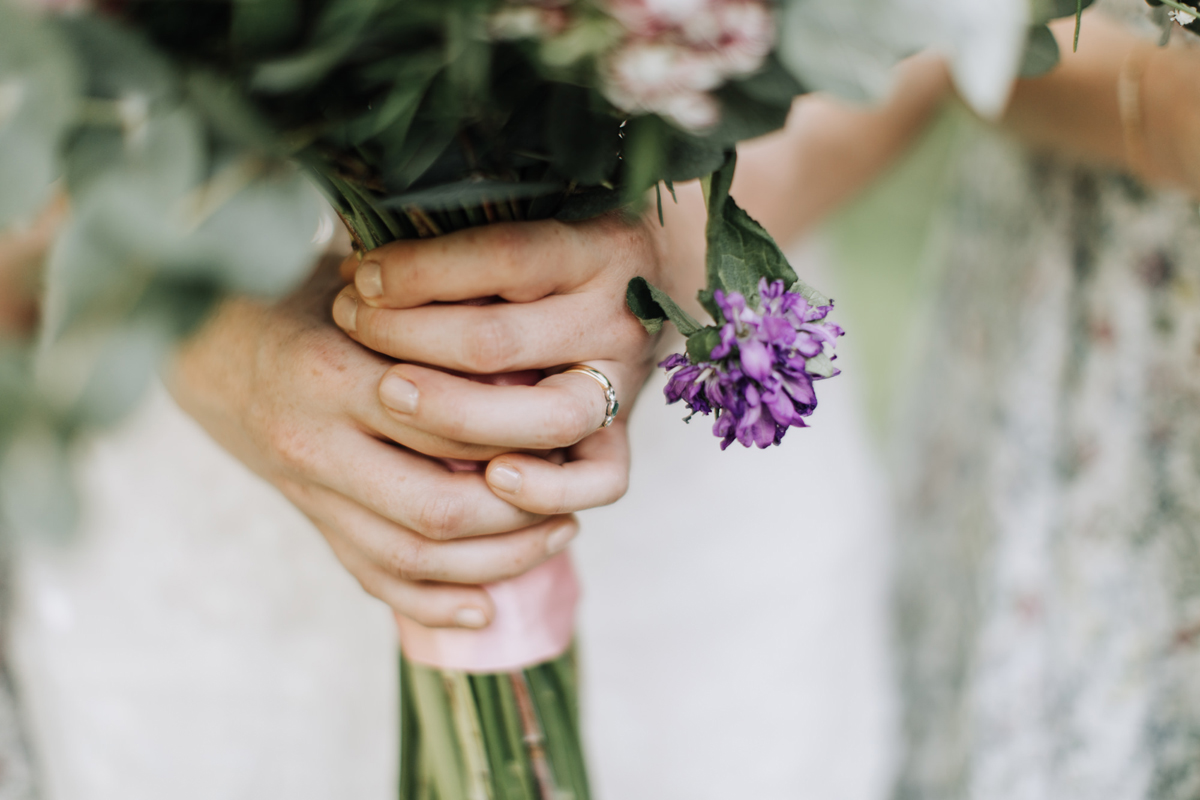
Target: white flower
1182, 17
663, 78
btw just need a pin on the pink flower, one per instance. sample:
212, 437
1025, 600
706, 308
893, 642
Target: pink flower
663, 78
678, 51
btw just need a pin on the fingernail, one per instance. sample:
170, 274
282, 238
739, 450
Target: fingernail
506, 479
398, 394
369, 280
558, 541
345, 312
470, 618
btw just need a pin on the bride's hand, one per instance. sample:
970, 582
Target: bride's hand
565, 290
295, 400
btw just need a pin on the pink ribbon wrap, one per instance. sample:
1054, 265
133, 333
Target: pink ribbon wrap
535, 612
534, 623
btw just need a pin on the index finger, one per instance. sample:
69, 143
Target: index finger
517, 261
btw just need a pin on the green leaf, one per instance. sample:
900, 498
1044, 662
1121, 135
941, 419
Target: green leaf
1041, 53
260, 240
689, 157
744, 116
589, 203
36, 491
116, 62
820, 365
228, 113
584, 141
1046, 10
772, 84
740, 251
392, 117
814, 298
338, 31
644, 155
653, 307
700, 344
470, 193
38, 98
261, 26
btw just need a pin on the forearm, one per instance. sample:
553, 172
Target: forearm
793, 179
1076, 109
830, 151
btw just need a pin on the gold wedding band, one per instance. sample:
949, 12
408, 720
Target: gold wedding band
610, 394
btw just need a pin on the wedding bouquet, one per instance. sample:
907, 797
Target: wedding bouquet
188, 134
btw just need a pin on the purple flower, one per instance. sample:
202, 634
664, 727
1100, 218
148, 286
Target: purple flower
757, 380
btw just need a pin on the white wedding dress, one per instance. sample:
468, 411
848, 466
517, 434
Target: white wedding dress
199, 640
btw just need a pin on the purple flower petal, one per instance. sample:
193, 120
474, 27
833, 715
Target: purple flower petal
756, 380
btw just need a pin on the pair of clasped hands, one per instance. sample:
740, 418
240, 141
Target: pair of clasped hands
348, 393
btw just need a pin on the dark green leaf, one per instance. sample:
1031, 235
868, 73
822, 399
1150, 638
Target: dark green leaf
589, 203
1046, 10
471, 192
338, 31
689, 157
1041, 53
740, 251
261, 26
644, 155
583, 143
772, 84
744, 116
653, 306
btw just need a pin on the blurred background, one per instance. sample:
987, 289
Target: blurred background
232, 656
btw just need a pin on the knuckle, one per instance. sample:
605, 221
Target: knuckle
292, 446
489, 346
408, 561
572, 423
441, 517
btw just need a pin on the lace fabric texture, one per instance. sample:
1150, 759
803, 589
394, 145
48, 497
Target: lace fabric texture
1048, 592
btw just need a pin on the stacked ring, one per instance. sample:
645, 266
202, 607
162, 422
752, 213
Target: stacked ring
610, 393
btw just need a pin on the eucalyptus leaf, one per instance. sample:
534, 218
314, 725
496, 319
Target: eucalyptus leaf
123, 360
38, 99
36, 492
1041, 53
260, 241
117, 62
